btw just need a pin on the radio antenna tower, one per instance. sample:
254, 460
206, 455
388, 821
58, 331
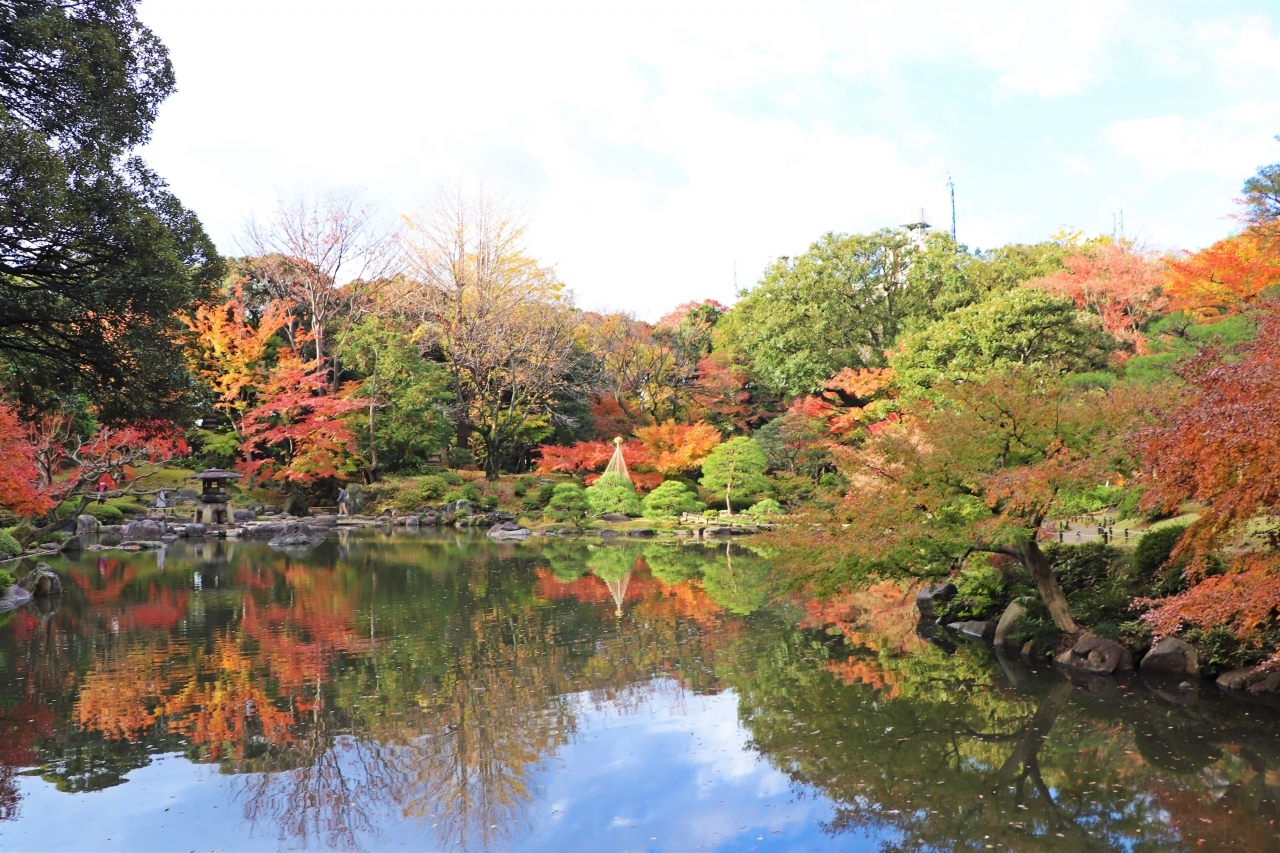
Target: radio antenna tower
951, 185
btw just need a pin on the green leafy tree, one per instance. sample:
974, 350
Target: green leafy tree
670, 499
1021, 327
568, 504
98, 260
405, 418
738, 466
613, 493
840, 304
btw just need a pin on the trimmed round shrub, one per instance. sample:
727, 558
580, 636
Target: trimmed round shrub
568, 504
471, 493
768, 506
451, 478
9, 547
612, 493
425, 491
105, 513
669, 500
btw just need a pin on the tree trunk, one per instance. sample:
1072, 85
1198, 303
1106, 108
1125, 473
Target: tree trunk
1033, 559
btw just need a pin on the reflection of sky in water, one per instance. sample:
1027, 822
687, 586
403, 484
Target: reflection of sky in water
671, 771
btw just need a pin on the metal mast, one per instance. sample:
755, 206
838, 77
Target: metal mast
951, 185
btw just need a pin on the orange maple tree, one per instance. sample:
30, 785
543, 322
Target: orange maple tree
232, 349
674, 448
23, 493
298, 434
1114, 281
1219, 448
1231, 272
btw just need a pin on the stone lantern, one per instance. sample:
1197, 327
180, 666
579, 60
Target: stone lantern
213, 507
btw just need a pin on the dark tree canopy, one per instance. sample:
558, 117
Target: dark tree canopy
97, 257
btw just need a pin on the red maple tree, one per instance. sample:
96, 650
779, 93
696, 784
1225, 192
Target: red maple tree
298, 434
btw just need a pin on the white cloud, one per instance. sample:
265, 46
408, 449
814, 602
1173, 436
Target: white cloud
657, 145
1229, 143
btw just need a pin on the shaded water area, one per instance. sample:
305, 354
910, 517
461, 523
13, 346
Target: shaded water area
443, 692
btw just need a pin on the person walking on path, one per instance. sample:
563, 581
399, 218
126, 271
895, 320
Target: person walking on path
342, 500
102, 491
161, 502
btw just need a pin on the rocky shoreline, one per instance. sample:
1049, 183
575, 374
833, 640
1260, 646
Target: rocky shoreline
1087, 654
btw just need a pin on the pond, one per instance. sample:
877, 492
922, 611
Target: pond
439, 691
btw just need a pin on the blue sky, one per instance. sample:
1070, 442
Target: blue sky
657, 148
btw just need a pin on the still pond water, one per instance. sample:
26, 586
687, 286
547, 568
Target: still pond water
443, 692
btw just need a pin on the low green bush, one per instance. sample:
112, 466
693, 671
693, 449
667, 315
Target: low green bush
426, 490
9, 547
669, 500
1153, 551
471, 493
451, 478
568, 504
523, 485
6, 579
768, 506
489, 501
57, 537
105, 513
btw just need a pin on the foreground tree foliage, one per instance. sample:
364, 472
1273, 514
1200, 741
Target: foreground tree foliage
1219, 449
98, 260
981, 469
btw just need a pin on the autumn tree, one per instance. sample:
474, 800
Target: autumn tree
980, 468
232, 350
55, 461
1225, 275
299, 434
674, 449
1219, 449
1113, 281
310, 246
500, 323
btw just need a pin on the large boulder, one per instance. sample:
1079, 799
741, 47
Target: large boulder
928, 599
13, 597
194, 530
1172, 655
296, 535
458, 507
71, 544
324, 521
87, 525
42, 580
264, 530
976, 630
509, 530
642, 533
143, 528
240, 516
1096, 655
1254, 680
1014, 612
615, 517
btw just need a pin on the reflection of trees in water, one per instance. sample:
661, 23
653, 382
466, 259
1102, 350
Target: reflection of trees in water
953, 757
427, 681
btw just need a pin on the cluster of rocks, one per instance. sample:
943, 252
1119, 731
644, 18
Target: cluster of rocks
1088, 653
